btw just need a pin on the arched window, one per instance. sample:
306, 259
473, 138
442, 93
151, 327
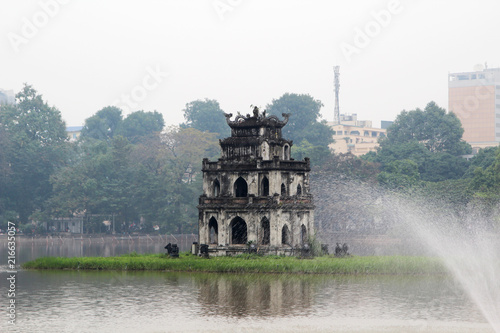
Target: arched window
238, 229
213, 230
264, 187
285, 235
283, 189
299, 190
303, 235
216, 188
286, 152
240, 188
266, 231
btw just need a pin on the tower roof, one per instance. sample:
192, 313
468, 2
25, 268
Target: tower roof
256, 120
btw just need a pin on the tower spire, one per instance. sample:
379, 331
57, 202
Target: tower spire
336, 71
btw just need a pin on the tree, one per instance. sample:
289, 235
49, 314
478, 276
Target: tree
140, 124
484, 158
455, 192
486, 181
317, 154
103, 125
79, 187
431, 138
168, 178
185, 149
206, 116
304, 121
437, 130
443, 166
156, 181
100, 181
399, 175
34, 145
348, 166
391, 151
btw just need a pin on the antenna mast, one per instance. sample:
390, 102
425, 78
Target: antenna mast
336, 70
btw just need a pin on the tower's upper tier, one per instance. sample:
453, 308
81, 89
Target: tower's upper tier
258, 125
255, 136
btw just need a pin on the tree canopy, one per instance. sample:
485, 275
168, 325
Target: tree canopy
104, 124
140, 124
206, 115
33, 145
157, 179
431, 138
304, 122
108, 122
133, 169
437, 130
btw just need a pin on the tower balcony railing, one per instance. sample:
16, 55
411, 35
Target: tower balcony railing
257, 164
253, 200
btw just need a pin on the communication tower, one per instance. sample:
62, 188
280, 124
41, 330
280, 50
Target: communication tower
336, 70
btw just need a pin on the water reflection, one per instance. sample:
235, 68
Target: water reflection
106, 301
255, 295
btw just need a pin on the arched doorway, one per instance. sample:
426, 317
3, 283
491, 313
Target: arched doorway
240, 188
238, 228
213, 231
266, 231
285, 235
299, 190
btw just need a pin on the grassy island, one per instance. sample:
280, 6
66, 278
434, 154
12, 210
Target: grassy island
404, 265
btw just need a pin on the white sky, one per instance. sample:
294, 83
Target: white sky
84, 55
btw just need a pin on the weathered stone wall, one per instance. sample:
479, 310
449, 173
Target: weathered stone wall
278, 218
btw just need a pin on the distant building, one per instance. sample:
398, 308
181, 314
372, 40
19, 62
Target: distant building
7, 97
65, 224
74, 132
355, 136
385, 124
475, 98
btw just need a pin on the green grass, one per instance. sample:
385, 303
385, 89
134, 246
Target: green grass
247, 264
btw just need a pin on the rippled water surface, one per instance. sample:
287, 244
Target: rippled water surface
76, 301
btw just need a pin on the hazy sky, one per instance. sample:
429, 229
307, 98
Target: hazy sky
83, 55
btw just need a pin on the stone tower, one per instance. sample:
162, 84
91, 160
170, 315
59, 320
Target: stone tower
255, 192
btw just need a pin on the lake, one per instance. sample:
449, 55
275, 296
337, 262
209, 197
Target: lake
104, 301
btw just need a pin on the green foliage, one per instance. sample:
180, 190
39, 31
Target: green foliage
456, 192
483, 159
318, 154
348, 166
103, 125
304, 123
400, 175
442, 166
206, 116
157, 179
108, 122
437, 130
431, 138
486, 181
33, 144
390, 151
314, 245
140, 124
